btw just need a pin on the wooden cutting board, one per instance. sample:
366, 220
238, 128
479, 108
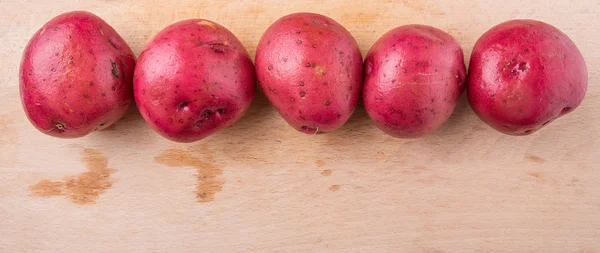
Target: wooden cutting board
260, 186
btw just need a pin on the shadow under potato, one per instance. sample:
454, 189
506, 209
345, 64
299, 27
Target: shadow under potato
253, 123
262, 129
263, 137
131, 119
131, 127
359, 123
457, 121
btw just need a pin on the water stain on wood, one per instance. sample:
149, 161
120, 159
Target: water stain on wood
326, 172
335, 187
208, 183
84, 188
320, 163
537, 176
540, 178
534, 158
47, 188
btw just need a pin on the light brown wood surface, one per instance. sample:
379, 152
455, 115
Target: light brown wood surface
259, 186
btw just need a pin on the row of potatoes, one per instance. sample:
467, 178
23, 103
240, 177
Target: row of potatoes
195, 77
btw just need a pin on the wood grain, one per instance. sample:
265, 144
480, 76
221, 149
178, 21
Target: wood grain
259, 186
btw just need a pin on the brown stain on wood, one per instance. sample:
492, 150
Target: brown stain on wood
326, 172
534, 158
588, 250
47, 188
537, 176
335, 187
208, 184
540, 178
84, 188
320, 163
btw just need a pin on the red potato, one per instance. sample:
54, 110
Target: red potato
76, 76
523, 75
310, 68
414, 75
193, 79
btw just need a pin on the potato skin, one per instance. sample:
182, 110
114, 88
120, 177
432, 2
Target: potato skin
193, 79
414, 75
76, 76
310, 68
523, 75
